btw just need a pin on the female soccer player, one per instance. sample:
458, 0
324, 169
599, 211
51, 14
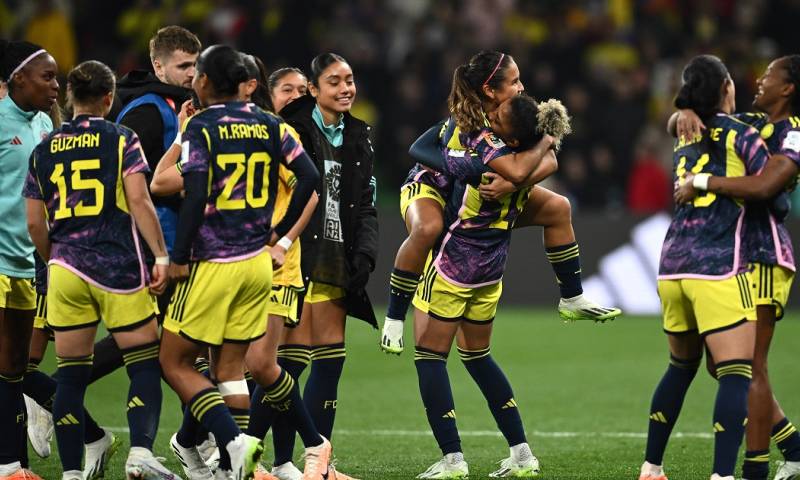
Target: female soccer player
86, 197
703, 279
30, 75
224, 269
340, 245
463, 281
769, 248
479, 87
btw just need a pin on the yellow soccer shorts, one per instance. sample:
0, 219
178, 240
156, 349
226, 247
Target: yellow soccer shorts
222, 301
284, 301
323, 292
706, 306
73, 303
413, 191
40, 317
445, 301
770, 285
17, 293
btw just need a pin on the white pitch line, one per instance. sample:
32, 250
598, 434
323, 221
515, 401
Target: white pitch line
493, 433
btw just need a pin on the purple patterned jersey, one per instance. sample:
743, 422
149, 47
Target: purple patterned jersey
766, 238
474, 249
241, 147
77, 171
704, 239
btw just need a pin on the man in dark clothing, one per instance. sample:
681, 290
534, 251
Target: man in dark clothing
148, 103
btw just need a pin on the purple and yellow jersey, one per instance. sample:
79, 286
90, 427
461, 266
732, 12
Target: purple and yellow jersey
474, 249
450, 139
704, 239
767, 239
241, 147
77, 171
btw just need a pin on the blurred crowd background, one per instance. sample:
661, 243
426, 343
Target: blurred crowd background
615, 64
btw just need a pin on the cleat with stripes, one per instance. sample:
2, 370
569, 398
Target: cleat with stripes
788, 471
581, 308
520, 464
97, 455
192, 462
40, 427
392, 336
451, 467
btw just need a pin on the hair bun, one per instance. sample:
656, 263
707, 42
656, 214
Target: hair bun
553, 119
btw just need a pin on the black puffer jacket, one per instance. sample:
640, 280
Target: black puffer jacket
358, 214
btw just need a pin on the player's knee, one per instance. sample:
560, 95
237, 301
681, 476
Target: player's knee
559, 207
261, 364
425, 234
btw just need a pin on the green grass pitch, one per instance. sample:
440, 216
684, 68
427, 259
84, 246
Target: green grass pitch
583, 390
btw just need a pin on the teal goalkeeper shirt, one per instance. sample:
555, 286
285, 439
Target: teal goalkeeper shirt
20, 132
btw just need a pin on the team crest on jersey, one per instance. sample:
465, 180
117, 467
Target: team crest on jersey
792, 141
493, 140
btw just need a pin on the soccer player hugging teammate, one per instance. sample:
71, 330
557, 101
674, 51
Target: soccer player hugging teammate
768, 248
225, 269
340, 245
30, 75
87, 196
463, 279
703, 278
480, 86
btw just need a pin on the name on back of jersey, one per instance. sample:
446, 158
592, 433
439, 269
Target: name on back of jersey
85, 140
238, 131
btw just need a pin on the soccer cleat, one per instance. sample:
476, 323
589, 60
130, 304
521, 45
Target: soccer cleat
651, 472
718, 477
97, 455
526, 467
788, 471
192, 462
287, 471
317, 460
334, 474
72, 475
392, 336
581, 308
40, 427
451, 466
142, 465
24, 474
261, 473
245, 452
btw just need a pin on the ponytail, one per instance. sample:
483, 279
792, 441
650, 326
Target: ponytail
701, 91
487, 68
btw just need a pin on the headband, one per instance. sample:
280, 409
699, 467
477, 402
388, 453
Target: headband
502, 56
25, 62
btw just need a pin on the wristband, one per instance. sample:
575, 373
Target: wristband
700, 181
285, 243
162, 260
177, 140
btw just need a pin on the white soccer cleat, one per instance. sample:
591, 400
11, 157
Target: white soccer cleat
520, 465
651, 472
97, 455
581, 308
718, 477
392, 336
142, 465
245, 452
788, 471
40, 427
287, 471
451, 466
317, 461
192, 462
72, 475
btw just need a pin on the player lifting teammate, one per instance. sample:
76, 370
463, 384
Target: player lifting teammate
484, 83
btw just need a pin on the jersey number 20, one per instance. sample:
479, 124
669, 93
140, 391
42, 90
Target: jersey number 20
244, 166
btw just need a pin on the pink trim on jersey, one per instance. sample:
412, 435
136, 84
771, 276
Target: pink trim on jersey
736, 244
419, 175
61, 263
778, 251
236, 259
